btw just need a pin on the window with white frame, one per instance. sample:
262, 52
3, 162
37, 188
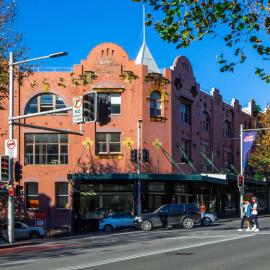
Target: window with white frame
31, 195
61, 195
155, 104
44, 102
46, 148
108, 143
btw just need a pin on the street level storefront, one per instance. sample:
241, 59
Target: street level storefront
96, 196
257, 188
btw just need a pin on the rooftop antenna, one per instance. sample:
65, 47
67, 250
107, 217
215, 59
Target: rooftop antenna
143, 24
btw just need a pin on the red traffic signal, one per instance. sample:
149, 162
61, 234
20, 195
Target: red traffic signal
4, 167
240, 181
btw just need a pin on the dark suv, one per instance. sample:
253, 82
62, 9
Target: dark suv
185, 215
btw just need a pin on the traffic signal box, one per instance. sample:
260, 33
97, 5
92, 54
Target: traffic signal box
18, 171
240, 181
104, 110
133, 155
145, 155
90, 107
4, 174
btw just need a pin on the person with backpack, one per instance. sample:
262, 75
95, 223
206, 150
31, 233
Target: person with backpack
254, 215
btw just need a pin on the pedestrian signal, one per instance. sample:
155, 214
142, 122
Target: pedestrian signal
240, 181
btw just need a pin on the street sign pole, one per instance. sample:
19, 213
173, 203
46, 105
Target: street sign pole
241, 190
11, 134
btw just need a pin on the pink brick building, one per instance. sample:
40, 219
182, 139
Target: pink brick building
75, 179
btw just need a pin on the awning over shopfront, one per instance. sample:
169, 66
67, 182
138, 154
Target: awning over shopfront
249, 181
86, 177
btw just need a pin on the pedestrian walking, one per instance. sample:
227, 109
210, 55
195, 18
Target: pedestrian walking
246, 210
254, 215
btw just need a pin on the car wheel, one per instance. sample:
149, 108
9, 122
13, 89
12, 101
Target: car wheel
187, 223
206, 222
146, 225
108, 229
34, 235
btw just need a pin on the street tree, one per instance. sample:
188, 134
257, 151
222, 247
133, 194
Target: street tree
241, 24
259, 159
10, 40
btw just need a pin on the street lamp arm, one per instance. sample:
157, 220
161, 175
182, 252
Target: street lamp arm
52, 55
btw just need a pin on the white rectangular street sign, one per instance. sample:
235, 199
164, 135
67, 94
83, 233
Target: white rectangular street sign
11, 148
77, 109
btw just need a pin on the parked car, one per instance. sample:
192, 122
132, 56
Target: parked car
111, 223
185, 215
208, 219
23, 231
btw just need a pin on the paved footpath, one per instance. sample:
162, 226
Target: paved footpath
215, 247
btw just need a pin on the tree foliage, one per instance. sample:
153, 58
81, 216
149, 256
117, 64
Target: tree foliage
238, 23
259, 159
10, 40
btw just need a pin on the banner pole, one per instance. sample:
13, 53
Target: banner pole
241, 190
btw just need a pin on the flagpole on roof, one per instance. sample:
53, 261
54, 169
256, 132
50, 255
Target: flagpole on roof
144, 24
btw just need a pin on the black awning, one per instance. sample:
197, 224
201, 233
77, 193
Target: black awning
86, 177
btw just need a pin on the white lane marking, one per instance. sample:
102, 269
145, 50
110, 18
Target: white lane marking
18, 262
149, 254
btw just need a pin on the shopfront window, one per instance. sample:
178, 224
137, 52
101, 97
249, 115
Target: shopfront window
98, 201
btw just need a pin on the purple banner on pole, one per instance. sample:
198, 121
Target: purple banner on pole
248, 140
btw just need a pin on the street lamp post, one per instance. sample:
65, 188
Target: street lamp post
11, 132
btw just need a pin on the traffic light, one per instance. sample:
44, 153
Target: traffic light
4, 177
90, 107
240, 181
18, 190
133, 155
18, 171
104, 111
145, 155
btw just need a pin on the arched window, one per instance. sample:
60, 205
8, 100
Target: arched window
44, 102
205, 122
155, 104
227, 130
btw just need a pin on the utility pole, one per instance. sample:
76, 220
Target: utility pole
139, 160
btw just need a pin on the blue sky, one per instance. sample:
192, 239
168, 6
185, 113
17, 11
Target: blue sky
78, 26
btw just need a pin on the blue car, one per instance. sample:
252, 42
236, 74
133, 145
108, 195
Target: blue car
111, 223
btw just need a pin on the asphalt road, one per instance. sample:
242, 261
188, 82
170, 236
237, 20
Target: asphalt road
216, 247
